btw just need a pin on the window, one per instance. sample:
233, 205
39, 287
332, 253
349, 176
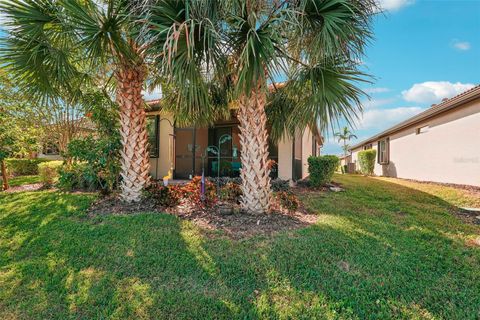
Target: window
383, 151
153, 139
367, 146
423, 129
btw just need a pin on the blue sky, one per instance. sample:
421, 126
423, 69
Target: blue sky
423, 51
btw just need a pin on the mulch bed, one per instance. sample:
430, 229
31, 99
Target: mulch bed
235, 225
467, 216
112, 205
25, 187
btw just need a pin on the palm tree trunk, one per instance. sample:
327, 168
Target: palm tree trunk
4, 175
255, 173
135, 160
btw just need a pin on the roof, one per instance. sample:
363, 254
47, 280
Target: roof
434, 110
272, 86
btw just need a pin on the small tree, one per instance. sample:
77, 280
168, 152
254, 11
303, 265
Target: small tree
63, 121
345, 135
12, 136
345, 149
366, 159
18, 131
7, 144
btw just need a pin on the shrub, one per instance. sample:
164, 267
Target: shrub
303, 183
192, 191
49, 172
278, 185
169, 196
78, 176
24, 167
99, 164
231, 192
366, 160
222, 181
288, 201
321, 169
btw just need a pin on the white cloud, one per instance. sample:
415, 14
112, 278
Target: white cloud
375, 103
393, 5
434, 91
461, 45
376, 90
384, 118
152, 94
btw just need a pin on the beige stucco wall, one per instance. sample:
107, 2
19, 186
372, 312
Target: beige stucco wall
307, 140
285, 158
159, 166
285, 150
449, 152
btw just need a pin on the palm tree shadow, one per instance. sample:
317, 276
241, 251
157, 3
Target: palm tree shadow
123, 266
392, 253
363, 258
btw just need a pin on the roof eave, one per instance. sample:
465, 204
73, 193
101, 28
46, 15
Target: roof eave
451, 103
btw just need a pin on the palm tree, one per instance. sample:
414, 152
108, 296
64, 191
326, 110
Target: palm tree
345, 135
57, 46
211, 52
245, 44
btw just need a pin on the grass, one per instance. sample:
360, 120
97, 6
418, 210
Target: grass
21, 180
380, 250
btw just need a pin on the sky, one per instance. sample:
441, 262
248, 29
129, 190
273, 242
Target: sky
423, 51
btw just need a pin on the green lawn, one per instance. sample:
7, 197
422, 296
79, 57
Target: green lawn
380, 250
21, 180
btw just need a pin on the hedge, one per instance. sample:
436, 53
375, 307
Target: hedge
366, 160
49, 172
24, 167
321, 169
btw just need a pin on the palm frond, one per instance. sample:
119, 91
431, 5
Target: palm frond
36, 49
52, 47
323, 95
255, 42
324, 29
183, 36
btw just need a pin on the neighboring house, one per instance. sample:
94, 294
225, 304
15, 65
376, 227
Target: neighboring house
345, 159
183, 151
441, 144
50, 151
58, 136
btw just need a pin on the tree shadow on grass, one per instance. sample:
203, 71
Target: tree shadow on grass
373, 254
386, 251
140, 266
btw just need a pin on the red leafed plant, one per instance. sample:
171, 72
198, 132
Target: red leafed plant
169, 196
231, 192
192, 191
288, 201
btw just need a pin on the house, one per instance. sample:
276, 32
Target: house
183, 151
59, 134
346, 165
441, 144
